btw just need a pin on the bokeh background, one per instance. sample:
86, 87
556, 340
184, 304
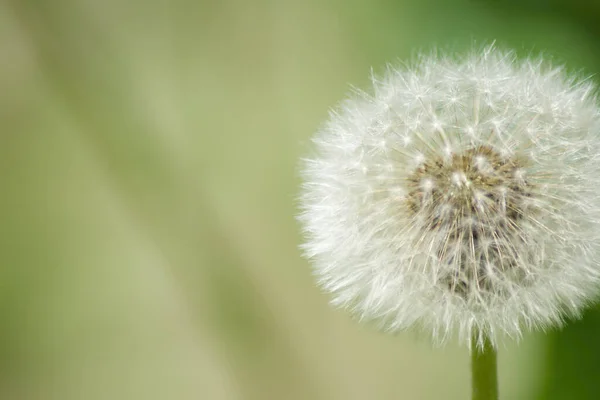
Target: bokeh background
148, 171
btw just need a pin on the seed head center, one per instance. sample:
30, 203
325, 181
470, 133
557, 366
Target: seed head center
474, 201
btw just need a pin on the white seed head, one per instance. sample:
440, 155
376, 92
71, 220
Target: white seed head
461, 197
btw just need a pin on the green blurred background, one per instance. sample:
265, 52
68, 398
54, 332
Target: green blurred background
148, 171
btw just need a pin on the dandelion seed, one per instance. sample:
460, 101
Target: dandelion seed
474, 204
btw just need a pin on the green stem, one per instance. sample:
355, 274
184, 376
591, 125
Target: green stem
484, 372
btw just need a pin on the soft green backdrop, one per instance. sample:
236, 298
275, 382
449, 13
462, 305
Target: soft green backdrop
148, 172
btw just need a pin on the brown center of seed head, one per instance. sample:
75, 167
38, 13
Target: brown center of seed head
472, 202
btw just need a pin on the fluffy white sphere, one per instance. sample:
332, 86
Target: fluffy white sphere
460, 197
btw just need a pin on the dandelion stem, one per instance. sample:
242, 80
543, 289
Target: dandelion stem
484, 372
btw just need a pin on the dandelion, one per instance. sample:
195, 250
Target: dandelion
461, 198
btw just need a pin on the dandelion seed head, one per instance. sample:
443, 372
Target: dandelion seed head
462, 197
